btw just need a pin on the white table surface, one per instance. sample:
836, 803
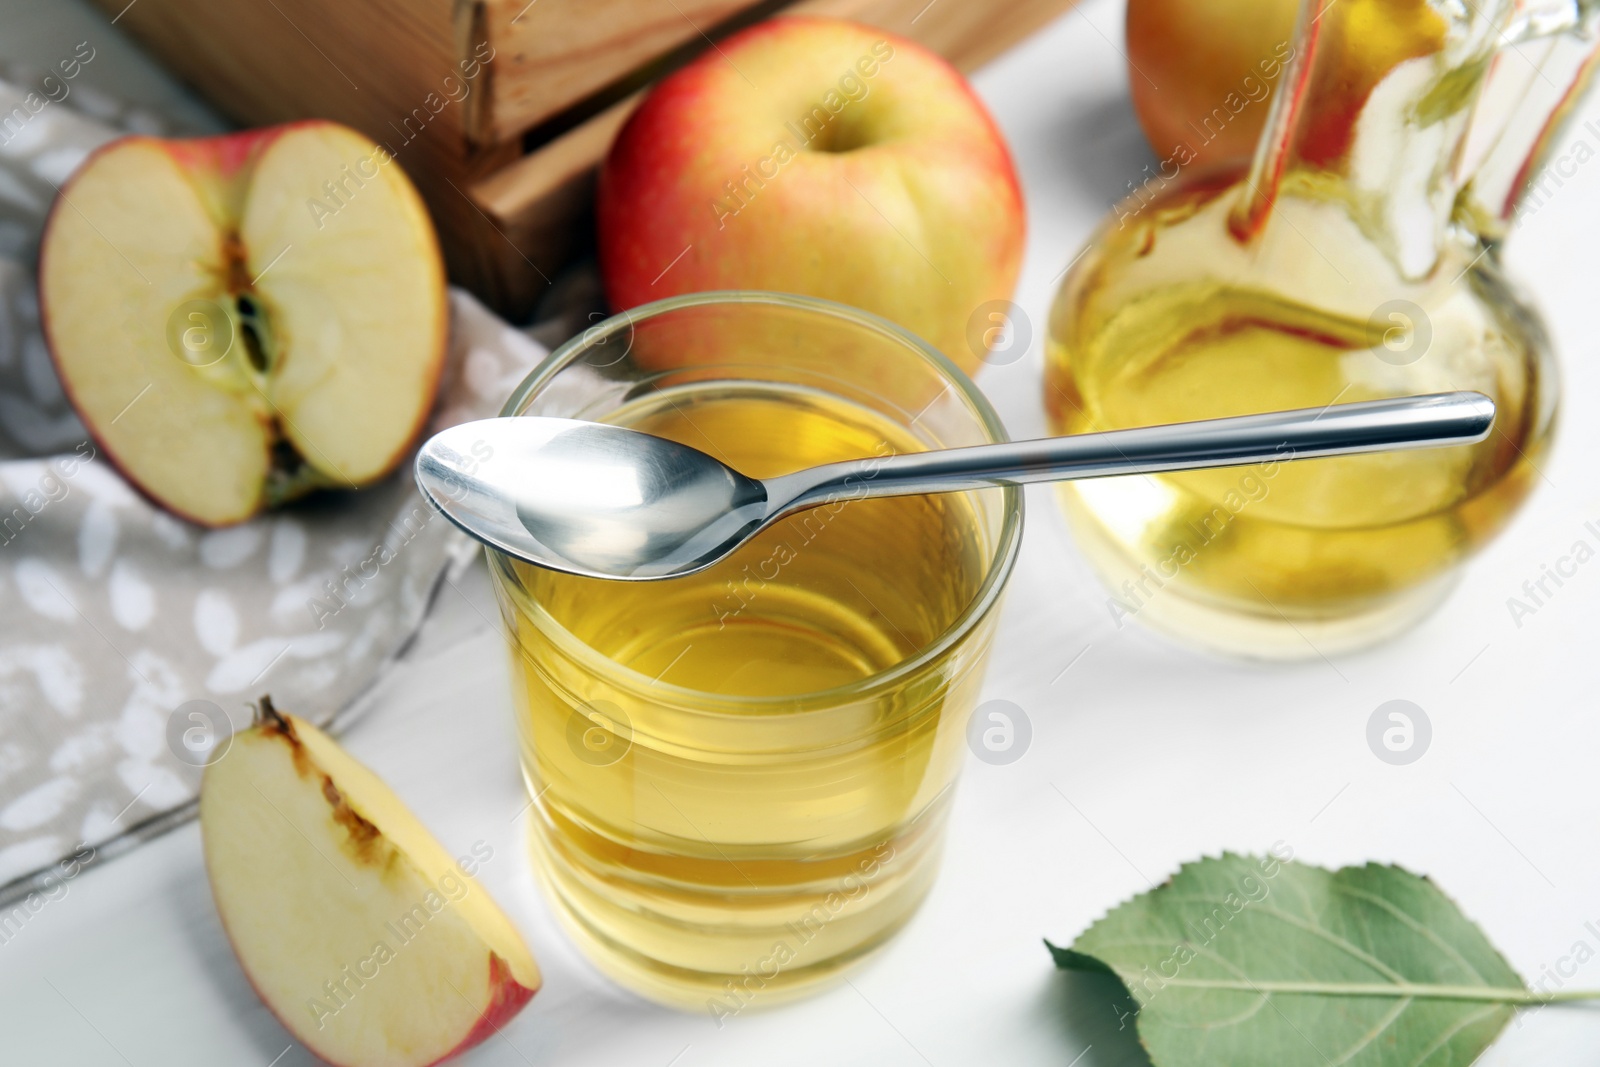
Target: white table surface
1144, 754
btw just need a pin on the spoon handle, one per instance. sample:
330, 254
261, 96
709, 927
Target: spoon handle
1337, 430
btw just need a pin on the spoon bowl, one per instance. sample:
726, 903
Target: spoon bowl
570, 495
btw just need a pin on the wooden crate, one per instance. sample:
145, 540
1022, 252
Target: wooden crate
499, 110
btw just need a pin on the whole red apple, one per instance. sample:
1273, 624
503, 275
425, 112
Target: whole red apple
1203, 75
819, 157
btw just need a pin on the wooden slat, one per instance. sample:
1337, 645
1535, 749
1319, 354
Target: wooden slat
550, 55
540, 203
262, 63
539, 206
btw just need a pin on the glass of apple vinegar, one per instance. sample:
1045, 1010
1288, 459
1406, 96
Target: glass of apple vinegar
741, 777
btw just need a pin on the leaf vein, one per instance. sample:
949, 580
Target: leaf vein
1372, 1035
1449, 1035
1337, 942
1411, 921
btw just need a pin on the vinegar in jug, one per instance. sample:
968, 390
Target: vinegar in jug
1218, 296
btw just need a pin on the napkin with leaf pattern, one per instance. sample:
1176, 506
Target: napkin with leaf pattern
127, 634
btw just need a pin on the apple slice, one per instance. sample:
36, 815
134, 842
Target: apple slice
356, 927
240, 319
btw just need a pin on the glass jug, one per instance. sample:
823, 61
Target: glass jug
1357, 256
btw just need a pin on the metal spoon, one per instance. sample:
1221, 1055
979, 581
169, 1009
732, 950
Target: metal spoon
605, 501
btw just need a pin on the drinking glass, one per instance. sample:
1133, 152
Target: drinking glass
740, 778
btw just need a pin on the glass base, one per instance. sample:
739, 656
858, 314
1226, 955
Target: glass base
727, 949
1275, 637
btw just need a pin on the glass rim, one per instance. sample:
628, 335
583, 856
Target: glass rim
709, 702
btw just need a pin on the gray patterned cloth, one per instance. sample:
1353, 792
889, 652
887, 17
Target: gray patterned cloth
126, 635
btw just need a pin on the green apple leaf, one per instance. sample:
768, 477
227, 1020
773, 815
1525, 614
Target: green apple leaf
1264, 962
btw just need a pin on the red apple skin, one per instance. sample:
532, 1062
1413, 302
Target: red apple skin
1204, 76
228, 153
919, 219
508, 999
1187, 59
224, 155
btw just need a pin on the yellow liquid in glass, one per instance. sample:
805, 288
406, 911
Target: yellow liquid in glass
1168, 320
723, 850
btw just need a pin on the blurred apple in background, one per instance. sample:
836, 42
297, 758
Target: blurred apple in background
1203, 74
240, 319
818, 157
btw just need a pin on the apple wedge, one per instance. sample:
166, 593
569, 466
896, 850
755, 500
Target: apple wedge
355, 926
241, 319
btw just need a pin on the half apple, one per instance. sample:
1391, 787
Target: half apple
356, 927
240, 319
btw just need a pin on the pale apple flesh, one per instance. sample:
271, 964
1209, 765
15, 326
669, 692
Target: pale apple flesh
354, 925
319, 252
859, 167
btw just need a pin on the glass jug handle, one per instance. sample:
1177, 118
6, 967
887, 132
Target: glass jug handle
1549, 53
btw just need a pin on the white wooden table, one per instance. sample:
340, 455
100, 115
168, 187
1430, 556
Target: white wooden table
1143, 755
